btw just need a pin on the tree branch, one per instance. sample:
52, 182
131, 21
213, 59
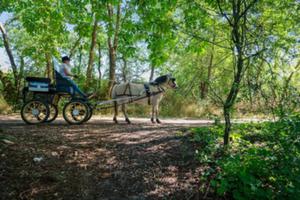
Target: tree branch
9, 21
247, 8
255, 54
206, 40
224, 14
73, 49
110, 14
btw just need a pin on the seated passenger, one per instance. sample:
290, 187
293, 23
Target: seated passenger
64, 70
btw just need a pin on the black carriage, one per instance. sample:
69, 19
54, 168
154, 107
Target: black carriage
41, 97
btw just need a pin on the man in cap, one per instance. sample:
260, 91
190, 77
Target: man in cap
65, 71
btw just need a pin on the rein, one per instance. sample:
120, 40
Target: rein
130, 99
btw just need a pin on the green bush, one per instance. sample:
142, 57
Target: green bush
4, 107
263, 161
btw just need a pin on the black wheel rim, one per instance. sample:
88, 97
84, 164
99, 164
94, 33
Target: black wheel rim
90, 114
53, 112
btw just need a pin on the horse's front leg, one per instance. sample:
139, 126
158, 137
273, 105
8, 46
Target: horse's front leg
152, 113
116, 112
125, 114
157, 113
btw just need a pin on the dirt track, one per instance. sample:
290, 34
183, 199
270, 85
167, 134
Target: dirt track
98, 160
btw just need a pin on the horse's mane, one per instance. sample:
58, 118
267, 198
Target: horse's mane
161, 79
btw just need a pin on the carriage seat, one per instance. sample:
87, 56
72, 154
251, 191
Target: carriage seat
38, 79
63, 85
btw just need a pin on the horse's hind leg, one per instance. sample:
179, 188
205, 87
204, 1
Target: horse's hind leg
157, 114
125, 114
152, 113
116, 112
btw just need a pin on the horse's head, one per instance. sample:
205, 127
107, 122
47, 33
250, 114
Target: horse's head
166, 81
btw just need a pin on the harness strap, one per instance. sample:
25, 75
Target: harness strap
148, 92
161, 89
129, 88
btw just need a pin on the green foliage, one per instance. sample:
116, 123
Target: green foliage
4, 107
189, 39
262, 163
208, 138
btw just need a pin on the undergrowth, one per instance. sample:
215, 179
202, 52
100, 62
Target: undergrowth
4, 106
262, 161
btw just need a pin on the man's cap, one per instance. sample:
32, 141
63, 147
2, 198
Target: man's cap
65, 58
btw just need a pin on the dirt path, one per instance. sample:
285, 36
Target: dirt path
98, 160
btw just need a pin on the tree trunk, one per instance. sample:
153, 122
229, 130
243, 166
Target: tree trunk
49, 68
112, 70
203, 88
249, 87
204, 85
239, 39
210, 66
10, 54
151, 73
99, 67
20, 75
89, 70
232, 96
113, 44
124, 70
79, 61
227, 125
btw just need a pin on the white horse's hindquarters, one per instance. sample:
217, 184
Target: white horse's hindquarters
127, 89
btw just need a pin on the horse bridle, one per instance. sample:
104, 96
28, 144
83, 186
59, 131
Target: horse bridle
160, 89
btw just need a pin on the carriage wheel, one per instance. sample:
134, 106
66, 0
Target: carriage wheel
53, 112
90, 114
76, 112
35, 112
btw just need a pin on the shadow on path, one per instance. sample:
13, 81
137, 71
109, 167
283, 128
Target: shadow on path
98, 160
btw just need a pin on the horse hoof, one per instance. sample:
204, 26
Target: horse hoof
128, 121
158, 121
115, 120
152, 120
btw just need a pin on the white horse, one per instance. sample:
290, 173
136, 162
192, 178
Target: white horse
153, 93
